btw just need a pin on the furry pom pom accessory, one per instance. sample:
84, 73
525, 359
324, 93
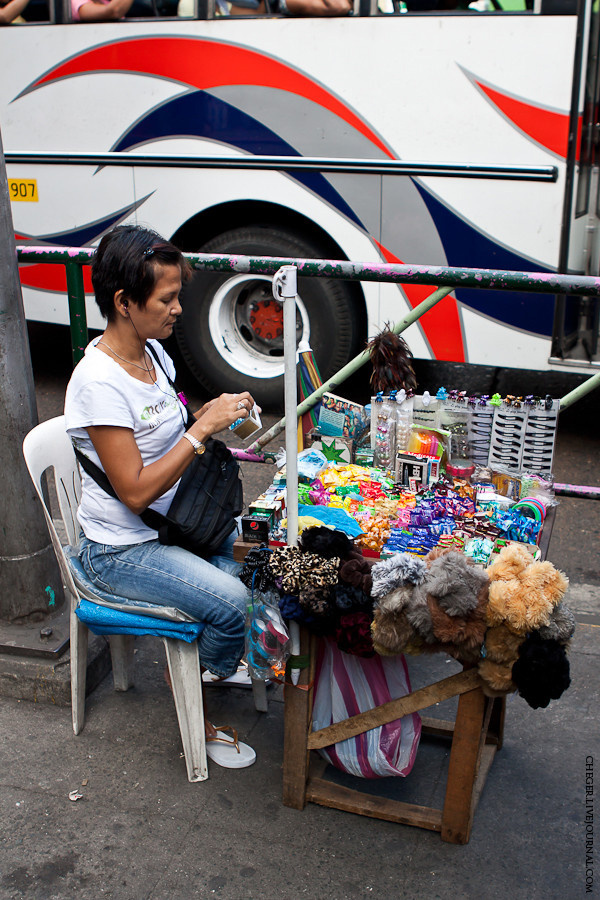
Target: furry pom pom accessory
317, 601
522, 610
510, 563
395, 571
502, 645
455, 583
348, 597
325, 542
419, 616
542, 579
355, 570
541, 672
561, 626
496, 677
397, 599
353, 634
466, 632
391, 631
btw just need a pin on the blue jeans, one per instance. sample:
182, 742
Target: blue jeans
206, 589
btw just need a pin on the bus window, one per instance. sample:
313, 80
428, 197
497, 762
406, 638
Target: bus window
21, 12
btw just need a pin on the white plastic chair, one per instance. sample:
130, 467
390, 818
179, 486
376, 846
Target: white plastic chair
48, 446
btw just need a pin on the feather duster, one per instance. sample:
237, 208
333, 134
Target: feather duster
542, 579
419, 616
392, 362
455, 583
466, 631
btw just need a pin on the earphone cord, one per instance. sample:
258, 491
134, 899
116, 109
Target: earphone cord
155, 382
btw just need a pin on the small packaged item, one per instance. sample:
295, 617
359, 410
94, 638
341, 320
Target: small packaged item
267, 639
404, 414
256, 527
426, 411
245, 428
427, 441
385, 433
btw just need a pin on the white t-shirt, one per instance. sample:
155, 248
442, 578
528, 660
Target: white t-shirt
101, 392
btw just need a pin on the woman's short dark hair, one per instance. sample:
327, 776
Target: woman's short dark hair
128, 259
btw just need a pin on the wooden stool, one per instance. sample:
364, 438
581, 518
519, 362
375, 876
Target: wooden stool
476, 736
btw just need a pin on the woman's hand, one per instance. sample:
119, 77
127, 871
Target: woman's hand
220, 413
136, 485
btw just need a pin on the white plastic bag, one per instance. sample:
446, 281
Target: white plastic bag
347, 685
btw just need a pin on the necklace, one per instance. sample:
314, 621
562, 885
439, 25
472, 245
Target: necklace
122, 358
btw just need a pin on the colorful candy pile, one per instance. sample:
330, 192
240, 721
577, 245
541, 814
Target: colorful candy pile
394, 519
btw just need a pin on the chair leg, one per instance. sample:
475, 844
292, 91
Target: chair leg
259, 692
184, 669
121, 652
78, 650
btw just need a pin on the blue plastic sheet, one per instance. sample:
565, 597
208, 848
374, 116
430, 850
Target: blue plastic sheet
333, 516
104, 620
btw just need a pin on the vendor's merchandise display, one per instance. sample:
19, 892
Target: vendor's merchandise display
435, 549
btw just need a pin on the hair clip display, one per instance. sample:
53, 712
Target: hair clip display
480, 431
149, 251
523, 433
540, 433
508, 432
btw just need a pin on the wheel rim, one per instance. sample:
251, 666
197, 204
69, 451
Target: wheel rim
246, 326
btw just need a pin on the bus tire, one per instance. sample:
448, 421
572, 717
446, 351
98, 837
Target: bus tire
230, 332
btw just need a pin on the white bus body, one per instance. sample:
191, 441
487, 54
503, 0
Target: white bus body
459, 90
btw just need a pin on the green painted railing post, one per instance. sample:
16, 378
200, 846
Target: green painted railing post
580, 391
77, 313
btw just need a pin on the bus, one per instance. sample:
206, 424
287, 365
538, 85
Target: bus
399, 133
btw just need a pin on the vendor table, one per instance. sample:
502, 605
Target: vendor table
475, 734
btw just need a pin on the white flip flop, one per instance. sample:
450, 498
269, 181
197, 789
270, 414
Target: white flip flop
241, 678
229, 752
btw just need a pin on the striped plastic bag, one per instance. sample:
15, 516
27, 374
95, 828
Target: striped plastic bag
347, 685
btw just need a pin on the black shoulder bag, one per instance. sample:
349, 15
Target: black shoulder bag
207, 501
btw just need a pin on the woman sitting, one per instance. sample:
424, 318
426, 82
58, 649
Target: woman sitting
123, 413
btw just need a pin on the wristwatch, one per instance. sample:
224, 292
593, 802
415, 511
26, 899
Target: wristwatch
198, 446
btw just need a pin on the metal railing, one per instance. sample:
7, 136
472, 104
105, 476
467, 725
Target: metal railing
445, 278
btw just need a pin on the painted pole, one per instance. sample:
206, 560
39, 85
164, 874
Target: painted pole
30, 583
580, 391
285, 288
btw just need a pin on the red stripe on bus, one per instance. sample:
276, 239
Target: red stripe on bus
49, 277
545, 126
441, 325
205, 64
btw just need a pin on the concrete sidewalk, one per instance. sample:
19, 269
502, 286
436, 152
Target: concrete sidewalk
142, 831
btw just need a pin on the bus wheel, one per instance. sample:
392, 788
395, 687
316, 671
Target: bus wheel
230, 332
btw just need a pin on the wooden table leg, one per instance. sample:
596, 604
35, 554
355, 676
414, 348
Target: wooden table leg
297, 719
458, 810
497, 721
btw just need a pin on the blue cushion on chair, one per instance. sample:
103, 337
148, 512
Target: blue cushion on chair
104, 620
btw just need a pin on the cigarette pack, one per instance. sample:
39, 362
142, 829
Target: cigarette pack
245, 428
